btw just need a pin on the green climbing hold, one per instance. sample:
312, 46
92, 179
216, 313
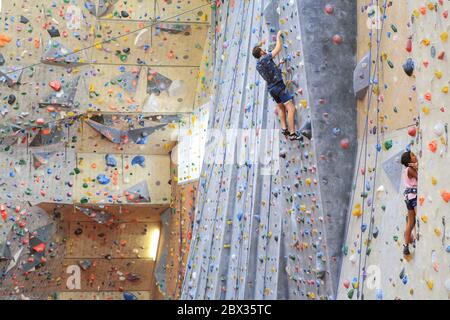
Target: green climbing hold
388, 144
350, 293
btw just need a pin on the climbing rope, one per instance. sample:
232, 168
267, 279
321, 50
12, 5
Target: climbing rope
372, 207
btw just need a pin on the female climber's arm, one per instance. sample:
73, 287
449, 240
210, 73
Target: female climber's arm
412, 172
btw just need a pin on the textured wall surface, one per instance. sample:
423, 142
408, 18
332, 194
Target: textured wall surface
405, 112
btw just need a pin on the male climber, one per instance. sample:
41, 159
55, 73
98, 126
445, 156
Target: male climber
271, 73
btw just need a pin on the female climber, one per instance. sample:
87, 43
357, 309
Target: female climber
272, 74
409, 160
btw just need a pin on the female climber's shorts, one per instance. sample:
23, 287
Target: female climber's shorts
411, 198
280, 93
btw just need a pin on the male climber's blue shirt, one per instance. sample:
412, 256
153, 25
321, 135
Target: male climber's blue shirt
269, 70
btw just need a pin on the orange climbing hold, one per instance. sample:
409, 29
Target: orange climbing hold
4, 40
445, 196
432, 146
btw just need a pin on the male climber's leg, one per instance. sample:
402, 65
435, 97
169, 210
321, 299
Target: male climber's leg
291, 116
282, 116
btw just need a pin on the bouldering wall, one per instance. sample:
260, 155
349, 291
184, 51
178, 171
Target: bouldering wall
114, 256
91, 92
261, 229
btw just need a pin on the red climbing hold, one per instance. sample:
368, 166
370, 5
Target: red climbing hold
329, 9
55, 85
412, 131
409, 45
337, 39
345, 144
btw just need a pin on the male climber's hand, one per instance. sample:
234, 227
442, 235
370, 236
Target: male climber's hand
280, 34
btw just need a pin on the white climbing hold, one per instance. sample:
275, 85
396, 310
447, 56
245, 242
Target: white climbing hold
447, 284
439, 129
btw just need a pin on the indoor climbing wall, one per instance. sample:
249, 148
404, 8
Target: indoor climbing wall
430, 24
91, 96
260, 228
178, 225
109, 247
395, 114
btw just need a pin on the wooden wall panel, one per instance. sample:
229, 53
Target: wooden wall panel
125, 240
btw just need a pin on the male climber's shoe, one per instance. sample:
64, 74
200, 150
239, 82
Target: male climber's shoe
285, 132
295, 137
406, 251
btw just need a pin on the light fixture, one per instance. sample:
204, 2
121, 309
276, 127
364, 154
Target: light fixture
154, 243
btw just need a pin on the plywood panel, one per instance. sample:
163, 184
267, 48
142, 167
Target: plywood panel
106, 295
108, 92
125, 240
124, 176
160, 142
184, 11
397, 95
184, 48
121, 35
181, 94
135, 9
120, 213
105, 276
86, 184
156, 172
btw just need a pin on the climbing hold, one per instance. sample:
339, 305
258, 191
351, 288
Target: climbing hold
412, 131
408, 67
103, 179
345, 144
337, 39
329, 9
138, 160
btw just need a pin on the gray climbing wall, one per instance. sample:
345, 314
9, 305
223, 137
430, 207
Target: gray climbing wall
270, 213
329, 68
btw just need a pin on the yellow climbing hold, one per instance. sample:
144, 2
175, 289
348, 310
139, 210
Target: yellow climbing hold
438, 74
437, 231
433, 181
357, 212
444, 36
424, 218
430, 284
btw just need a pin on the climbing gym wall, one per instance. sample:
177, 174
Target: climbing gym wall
430, 24
114, 259
402, 108
264, 212
92, 96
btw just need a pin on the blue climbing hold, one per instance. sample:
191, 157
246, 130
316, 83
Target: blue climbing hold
138, 160
129, 296
102, 179
110, 161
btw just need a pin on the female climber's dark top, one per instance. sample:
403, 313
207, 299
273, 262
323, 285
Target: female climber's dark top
269, 71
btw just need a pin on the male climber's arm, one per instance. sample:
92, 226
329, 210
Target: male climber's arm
275, 52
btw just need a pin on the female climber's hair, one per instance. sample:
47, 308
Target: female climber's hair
257, 52
406, 158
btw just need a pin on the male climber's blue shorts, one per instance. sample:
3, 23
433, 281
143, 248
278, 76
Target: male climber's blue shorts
280, 93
